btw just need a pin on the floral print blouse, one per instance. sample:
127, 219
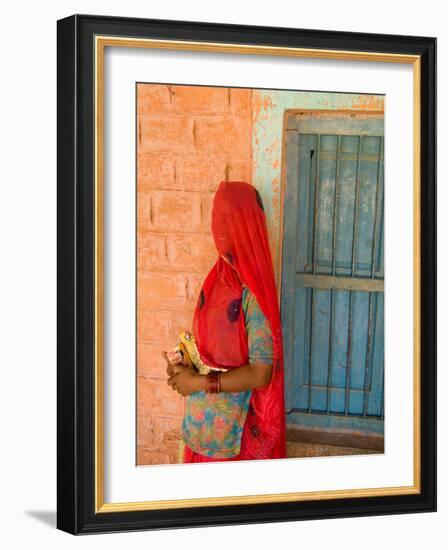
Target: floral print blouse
213, 422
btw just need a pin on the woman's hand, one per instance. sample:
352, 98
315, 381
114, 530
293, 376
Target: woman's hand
186, 381
171, 368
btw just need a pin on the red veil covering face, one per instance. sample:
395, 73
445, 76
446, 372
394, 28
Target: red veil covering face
239, 231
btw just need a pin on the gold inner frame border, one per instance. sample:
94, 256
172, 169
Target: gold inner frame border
100, 43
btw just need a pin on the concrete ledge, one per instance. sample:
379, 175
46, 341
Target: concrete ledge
338, 438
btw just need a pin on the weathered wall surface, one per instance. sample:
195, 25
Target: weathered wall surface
189, 139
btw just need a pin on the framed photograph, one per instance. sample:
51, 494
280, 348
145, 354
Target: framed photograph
246, 274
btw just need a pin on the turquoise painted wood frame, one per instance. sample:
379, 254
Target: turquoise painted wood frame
332, 296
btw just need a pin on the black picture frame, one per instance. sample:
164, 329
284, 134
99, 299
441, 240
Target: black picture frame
75, 271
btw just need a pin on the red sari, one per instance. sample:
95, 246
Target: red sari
239, 231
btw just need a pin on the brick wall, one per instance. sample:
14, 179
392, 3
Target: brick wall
189, 139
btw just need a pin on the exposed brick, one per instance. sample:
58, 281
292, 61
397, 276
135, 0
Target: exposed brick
149, 358
166, 134
230, 135
151, 251
205, 172
182, 320
172, 437
149, 361
190, 139
206, 210
199, 99
201, 172
191, 252
241, 101
162, 290
153, 98
153, 326
194, 286
144, 211
176, 211
155, 171
150, 239
155, 397
147, 457
241, 170
154, 431
149, 259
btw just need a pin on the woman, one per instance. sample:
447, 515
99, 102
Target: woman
236, 413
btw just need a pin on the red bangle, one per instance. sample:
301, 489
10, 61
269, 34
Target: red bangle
213, 382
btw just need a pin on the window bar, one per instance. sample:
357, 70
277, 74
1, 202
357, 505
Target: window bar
349, 335
349, 352
372, 276
335, 205
381, 232
333, 270
316, 193
369, 348
355, 214
381, 253
375, 221
382, 396
330, 353
310, 351
379, 273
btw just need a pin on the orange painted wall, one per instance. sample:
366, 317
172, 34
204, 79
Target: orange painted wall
189, 139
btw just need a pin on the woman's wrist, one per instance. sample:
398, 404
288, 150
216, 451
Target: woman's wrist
201, 382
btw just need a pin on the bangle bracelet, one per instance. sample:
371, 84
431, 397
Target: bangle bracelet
213, 382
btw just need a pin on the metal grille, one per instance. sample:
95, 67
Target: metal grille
335, 303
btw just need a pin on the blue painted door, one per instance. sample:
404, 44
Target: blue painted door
332, 271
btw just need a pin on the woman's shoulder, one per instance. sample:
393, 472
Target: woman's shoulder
259, 335
248, 299
250, 305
